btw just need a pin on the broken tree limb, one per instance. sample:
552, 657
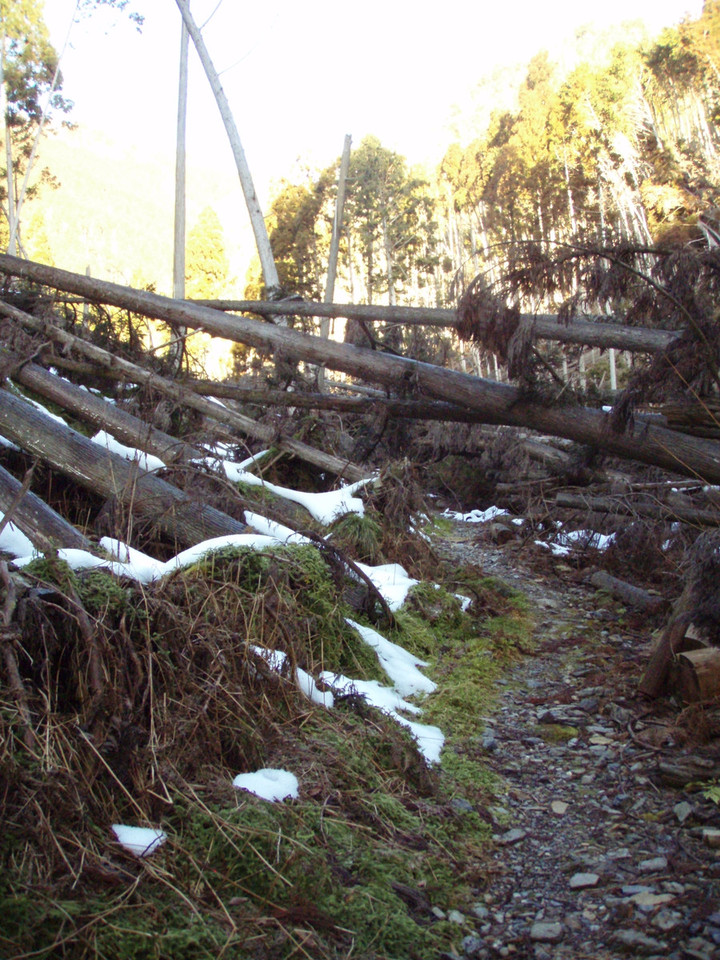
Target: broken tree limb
669, 644
499, 403
696, 674
39, 522
186, 520
182, 395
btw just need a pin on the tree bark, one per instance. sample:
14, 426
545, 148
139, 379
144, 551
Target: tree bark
591, 333
105, 416
670, 643
186, 520
184, 396
39, 522
662, 511
499, 403
335, 246
697, 674
177, 347
631, 595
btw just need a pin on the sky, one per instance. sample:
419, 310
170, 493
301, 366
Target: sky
299, 76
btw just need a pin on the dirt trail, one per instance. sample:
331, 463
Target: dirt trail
596, 857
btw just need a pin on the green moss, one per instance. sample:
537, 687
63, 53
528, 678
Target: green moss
359, 536
238, 876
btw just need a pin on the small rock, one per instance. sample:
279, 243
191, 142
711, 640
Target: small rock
589, 704
649, 901
472, 946
480, 911
682, 811
655, 865
512, 836
456, 917
638, 942
462, 805
489, 742
437, 912
547, 932
697, 947
559, 807
622, 854
666, 920
579, 881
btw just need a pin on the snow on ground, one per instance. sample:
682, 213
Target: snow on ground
324, 507
391, 580
476, 516
14, 541
398, 664
269, 784
142, 841
563, 543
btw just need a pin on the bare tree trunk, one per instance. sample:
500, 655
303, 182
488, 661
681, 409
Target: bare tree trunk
590, 332
40, 524
335, 245
267, 261
177, 346
498, 403
174, 389
105, 416
10, 180
186, 520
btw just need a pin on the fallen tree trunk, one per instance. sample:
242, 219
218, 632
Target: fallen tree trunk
185, 520
661, 511
105, 416
589, 333
498, 403
39, 522
631, 595
175, 389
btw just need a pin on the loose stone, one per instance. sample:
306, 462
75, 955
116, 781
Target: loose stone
512, 836
579, 881
638, 942
547, 932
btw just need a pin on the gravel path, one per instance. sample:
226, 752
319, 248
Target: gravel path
595, 857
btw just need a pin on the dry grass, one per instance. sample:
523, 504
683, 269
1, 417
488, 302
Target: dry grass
138, 705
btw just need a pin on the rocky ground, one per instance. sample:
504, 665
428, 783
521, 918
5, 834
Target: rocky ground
597, 856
